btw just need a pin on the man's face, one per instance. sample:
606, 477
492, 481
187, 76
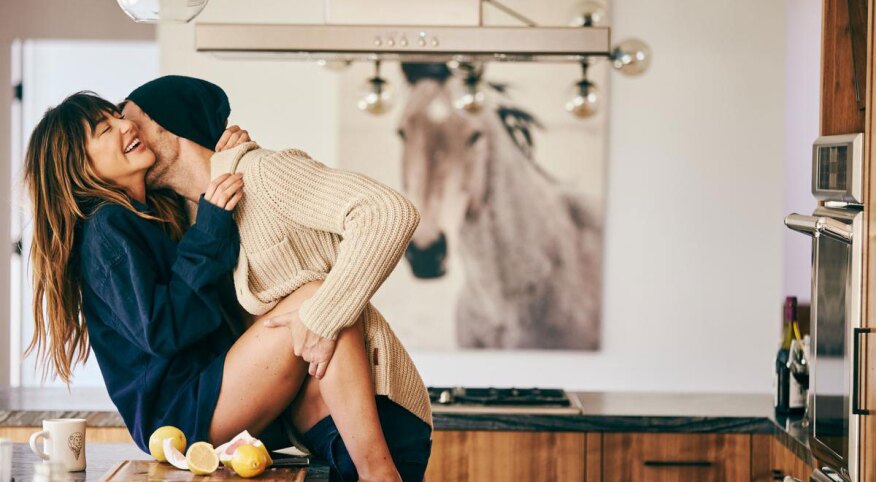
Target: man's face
161, 142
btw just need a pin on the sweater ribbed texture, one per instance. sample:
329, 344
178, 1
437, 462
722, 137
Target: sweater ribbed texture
300, 221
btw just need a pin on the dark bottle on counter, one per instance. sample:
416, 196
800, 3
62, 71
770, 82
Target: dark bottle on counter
789, 396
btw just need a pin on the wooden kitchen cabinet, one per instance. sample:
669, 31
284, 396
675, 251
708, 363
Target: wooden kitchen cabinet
770, 461
670, 457
92, 434
488, 456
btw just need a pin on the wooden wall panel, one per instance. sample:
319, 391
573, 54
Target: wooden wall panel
487, 456
867, 442
841, 113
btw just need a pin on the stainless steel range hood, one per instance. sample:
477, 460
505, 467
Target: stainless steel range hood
406, 42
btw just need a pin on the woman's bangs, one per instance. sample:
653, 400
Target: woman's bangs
89, 108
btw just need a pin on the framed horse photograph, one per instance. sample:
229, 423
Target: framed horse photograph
510, 187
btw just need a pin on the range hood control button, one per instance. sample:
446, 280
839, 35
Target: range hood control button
377, 42
421, 42
434, 41
390, 43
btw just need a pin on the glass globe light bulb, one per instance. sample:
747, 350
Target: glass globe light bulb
587, 14
162, 10
377, 96
631, 57
473, 99
585, 99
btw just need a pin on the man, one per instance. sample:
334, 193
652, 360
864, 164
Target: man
300, 222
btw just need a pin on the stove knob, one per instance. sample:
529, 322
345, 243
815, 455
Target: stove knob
445, 398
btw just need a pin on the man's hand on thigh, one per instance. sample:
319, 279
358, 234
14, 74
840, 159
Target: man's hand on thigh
306, 344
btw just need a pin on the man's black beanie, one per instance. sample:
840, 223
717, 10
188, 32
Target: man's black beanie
188, 107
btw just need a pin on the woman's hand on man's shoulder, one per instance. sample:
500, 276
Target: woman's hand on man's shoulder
232, 137
225, 191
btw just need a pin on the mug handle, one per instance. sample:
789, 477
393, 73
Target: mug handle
35, 446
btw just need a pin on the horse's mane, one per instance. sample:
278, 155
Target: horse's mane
518, 123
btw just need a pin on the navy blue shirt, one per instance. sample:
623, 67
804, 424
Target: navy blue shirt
154, 317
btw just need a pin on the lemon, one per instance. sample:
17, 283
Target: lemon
202, 459
156, 448
249, 461
264, 450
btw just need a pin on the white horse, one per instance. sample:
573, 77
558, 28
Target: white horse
530, 249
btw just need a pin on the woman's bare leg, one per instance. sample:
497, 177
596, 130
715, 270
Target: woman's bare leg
263, 376
347, 393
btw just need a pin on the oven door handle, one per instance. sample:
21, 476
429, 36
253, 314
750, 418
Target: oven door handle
856, 352
820, 225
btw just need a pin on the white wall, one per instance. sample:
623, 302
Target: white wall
801, 129
287, 103
694, 240
693, 261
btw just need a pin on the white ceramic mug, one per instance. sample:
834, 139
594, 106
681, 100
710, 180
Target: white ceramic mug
63, 443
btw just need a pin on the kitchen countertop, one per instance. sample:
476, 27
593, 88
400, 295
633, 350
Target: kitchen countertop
600, 412
101, 457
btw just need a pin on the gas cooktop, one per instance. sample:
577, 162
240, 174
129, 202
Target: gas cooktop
502, 400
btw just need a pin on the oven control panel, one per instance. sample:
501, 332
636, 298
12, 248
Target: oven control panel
837, 173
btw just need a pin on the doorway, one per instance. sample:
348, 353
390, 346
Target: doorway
44, 72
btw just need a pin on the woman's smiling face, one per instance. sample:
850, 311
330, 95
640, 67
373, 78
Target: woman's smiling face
116, 153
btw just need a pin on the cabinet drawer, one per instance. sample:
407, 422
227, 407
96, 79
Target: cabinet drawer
662, 457
492, 456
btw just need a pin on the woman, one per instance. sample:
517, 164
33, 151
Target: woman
104, 252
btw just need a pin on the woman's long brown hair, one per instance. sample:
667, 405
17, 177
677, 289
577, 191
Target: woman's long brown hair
64, 190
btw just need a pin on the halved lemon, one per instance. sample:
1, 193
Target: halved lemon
202, 459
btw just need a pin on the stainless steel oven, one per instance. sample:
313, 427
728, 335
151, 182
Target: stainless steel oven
837, 266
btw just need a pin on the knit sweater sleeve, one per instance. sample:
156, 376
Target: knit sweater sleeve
375, 224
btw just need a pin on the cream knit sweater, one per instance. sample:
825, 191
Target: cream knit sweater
301, 221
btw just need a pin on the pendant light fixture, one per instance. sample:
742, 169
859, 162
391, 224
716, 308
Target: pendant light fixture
473, 98
585, 96
377, 96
